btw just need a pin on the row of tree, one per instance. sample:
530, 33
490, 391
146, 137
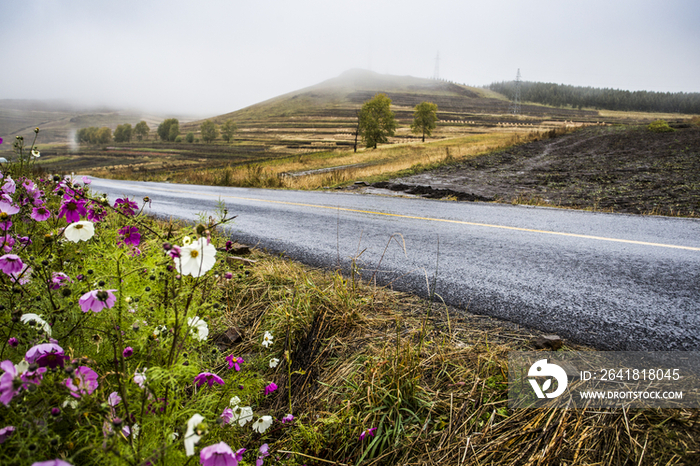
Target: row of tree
103, 135
376, 122
561, 95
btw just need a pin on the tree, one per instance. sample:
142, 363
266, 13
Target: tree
169, 129
123, 133
189, 137
377, 121
104, 135
141, 130
424, 119
209, 131
227, 130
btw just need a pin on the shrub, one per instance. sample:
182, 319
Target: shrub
190, 137
659, 126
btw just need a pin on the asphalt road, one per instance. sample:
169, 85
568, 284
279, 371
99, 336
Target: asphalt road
613, 281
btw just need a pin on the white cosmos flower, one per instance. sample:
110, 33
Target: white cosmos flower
267, 339
274, 362
191, 435
26, 318
262, 424
242, 414
79, 231
140, 377
199, 326
36, 153
234, 401
196, 259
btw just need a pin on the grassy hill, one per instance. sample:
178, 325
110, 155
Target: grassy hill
324, 115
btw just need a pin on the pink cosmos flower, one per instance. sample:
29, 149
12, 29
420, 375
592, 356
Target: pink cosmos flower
208, 378
6, 432
96, 300
13, 342
5, 225
9, 186
227, 415
46, 355
129, 235
270, 388
7, 382
234, 362
23, 277
40, 214
11, 263
220, 454
287, 418
83, 382
7, 242
34, 377
59, 279
87, 180
8, 207
264, 453
128, 352
126, 206
96, 213
72, 209
56, 462
368, 432
114, 399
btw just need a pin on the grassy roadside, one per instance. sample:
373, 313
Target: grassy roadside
431, 380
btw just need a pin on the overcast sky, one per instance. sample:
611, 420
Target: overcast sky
212, 57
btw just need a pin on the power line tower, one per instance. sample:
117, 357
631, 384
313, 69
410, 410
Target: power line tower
436, 73
515, 103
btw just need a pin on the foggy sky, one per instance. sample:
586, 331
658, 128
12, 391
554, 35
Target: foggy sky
211, 57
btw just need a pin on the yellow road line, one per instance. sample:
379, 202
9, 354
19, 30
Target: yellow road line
432, 219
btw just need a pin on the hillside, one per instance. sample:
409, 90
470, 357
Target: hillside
324, 115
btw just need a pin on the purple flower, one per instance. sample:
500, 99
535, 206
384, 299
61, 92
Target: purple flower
83, 382
55, 462
96, 213
270, 388
72, 209
34, 377
129, 235
55, 411
58, 279
128, 352
287, 418
7, 382
208, 378
11, 263
46, 355
220, 454
264, 453
234, 362
6, 432
40, 214
96, 300
126, 206
227, 415
7, 242
368, 432
8, 207
13, 342
114, 399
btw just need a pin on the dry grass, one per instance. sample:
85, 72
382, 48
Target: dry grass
317, 170
430, 378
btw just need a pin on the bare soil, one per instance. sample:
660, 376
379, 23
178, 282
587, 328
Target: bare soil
617, 169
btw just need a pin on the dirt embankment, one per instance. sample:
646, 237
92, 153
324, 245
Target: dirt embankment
619, 169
